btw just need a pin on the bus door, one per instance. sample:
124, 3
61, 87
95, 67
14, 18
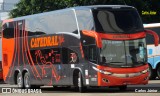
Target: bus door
69, 60
91, 53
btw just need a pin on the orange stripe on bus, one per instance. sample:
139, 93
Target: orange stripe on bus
82, 53
25, 43
31, 58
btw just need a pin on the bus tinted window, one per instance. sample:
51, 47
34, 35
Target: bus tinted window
85, 19
69, 56
46, 56
117, 21
8, 30
53, 23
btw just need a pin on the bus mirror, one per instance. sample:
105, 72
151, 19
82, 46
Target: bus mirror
102, 59
155, 35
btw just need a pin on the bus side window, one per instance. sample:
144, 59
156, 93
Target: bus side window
64, 56
8, 30
46, 56
86, 53
92, 53
69, 56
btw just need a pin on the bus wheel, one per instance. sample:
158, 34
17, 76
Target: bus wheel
152, 75
123, 88
158, 72
81, 88
20, 82
27, 80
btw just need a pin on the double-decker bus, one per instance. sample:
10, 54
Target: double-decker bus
83, 47
153, 52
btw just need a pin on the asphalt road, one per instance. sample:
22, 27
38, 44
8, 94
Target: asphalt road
132, 90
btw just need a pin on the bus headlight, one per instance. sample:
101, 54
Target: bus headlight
102, 71
121, 75
108, 73
145, 71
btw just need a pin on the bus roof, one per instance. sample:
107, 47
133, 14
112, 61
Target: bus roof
102, 6
151, 25
72, 8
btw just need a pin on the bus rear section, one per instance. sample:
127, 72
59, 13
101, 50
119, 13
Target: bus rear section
102, 46
153, 52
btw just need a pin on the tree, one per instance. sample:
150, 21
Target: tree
28, 7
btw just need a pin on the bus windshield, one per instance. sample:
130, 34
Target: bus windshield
117, 21
126, 53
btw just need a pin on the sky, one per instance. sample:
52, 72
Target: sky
9, 1
8, 5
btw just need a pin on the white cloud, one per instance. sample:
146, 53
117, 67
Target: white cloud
10, 1
1, 1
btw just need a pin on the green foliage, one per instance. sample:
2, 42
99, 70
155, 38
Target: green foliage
28, 7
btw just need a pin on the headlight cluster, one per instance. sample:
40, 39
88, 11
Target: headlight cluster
102, 71
121, 75
145, 71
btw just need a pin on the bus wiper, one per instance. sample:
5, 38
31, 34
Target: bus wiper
139, 30
132, 29
115, 62
140, 62
135, 29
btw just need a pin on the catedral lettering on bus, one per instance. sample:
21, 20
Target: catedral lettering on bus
46, 41
99, 46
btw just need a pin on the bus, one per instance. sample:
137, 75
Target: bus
80, 47
153, 52
1, 74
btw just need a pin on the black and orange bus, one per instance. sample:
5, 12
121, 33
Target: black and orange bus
83, 46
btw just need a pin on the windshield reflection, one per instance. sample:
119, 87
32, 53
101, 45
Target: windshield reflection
123, 53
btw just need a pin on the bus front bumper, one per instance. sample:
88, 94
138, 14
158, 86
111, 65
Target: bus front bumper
123, 76
118, 81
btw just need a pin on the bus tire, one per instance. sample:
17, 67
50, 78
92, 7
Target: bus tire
27, 84
20, 82
122, 88
152, 74
81, 87
158, 71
